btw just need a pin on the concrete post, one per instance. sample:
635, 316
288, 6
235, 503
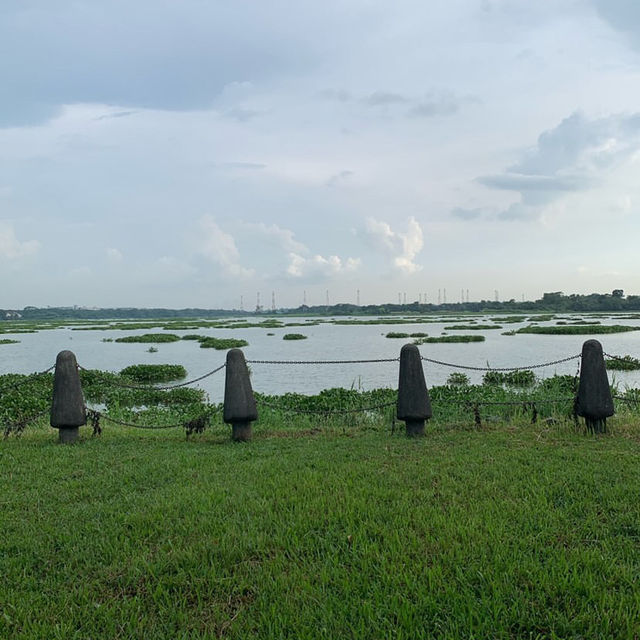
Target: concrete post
594, 402
239, 404
414, 405
68, 411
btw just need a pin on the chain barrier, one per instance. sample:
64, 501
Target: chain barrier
19, 426
29, 378
322, 361
195, 425
165, 387
624, 360
325, 412
471, 368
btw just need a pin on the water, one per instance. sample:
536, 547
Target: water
37, 351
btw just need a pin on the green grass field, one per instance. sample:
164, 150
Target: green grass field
513, 531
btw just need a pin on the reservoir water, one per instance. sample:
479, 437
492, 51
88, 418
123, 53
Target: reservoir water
325, 341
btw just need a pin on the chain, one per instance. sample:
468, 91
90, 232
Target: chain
29, 378
618, 358
325, 411
194, 425
470, 368
322, 361
19, 426
523, 403
166, 387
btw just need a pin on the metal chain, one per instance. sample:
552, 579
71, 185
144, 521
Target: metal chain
617, 358
29, 378
165, 387
470, 368
524, 403
19, 426
148, 427
322, 361
325, 411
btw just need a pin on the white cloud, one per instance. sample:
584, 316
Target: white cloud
219, 247
318, 265
114, 255
401, 247
11, 248
284, 238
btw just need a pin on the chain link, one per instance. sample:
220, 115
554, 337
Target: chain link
19, 426
322, 361
185, 424
471, 368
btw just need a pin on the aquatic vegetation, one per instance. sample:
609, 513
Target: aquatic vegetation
458, 378
397, 334
445, 339
222, 343
9, 341
154, 372
294, 336
520, 378
151, 337
622, 363
473, 327
578, 329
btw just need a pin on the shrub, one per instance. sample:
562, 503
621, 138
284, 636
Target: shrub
458, 378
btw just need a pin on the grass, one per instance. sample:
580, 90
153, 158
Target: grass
517, 531
586, 329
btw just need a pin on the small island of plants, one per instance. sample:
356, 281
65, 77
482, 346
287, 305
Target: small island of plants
294, 336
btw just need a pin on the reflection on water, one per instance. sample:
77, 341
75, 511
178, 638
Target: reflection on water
37, 351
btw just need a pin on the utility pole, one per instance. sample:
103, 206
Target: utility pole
439, 297
273, 301
444, 296
304, 297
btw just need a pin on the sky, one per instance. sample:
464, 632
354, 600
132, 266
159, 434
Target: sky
192, 153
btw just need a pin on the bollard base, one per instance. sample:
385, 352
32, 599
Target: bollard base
415, 428
241, 431
68, 435
596, 425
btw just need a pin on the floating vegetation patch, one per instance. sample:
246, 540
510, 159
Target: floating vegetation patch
222, 343
473, 327
294, 336
522, 378
449, 339
509, 333
151, 337
397, 334
9, 341
541, 318
154, 372
622, 363
509, 319
579, 329
458, 378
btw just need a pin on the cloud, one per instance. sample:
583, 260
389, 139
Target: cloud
467, 214
383, 99
247, 166
434, 106
220, 248
11, 248
574, 156
339, 178
319, 266
401, 247
114, 255
284, 238
241, 114
622, 15
336, 95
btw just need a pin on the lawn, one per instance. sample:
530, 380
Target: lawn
512, 531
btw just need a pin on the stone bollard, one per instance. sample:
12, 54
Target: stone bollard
239, 404
68, 411
594, 402
414, 405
